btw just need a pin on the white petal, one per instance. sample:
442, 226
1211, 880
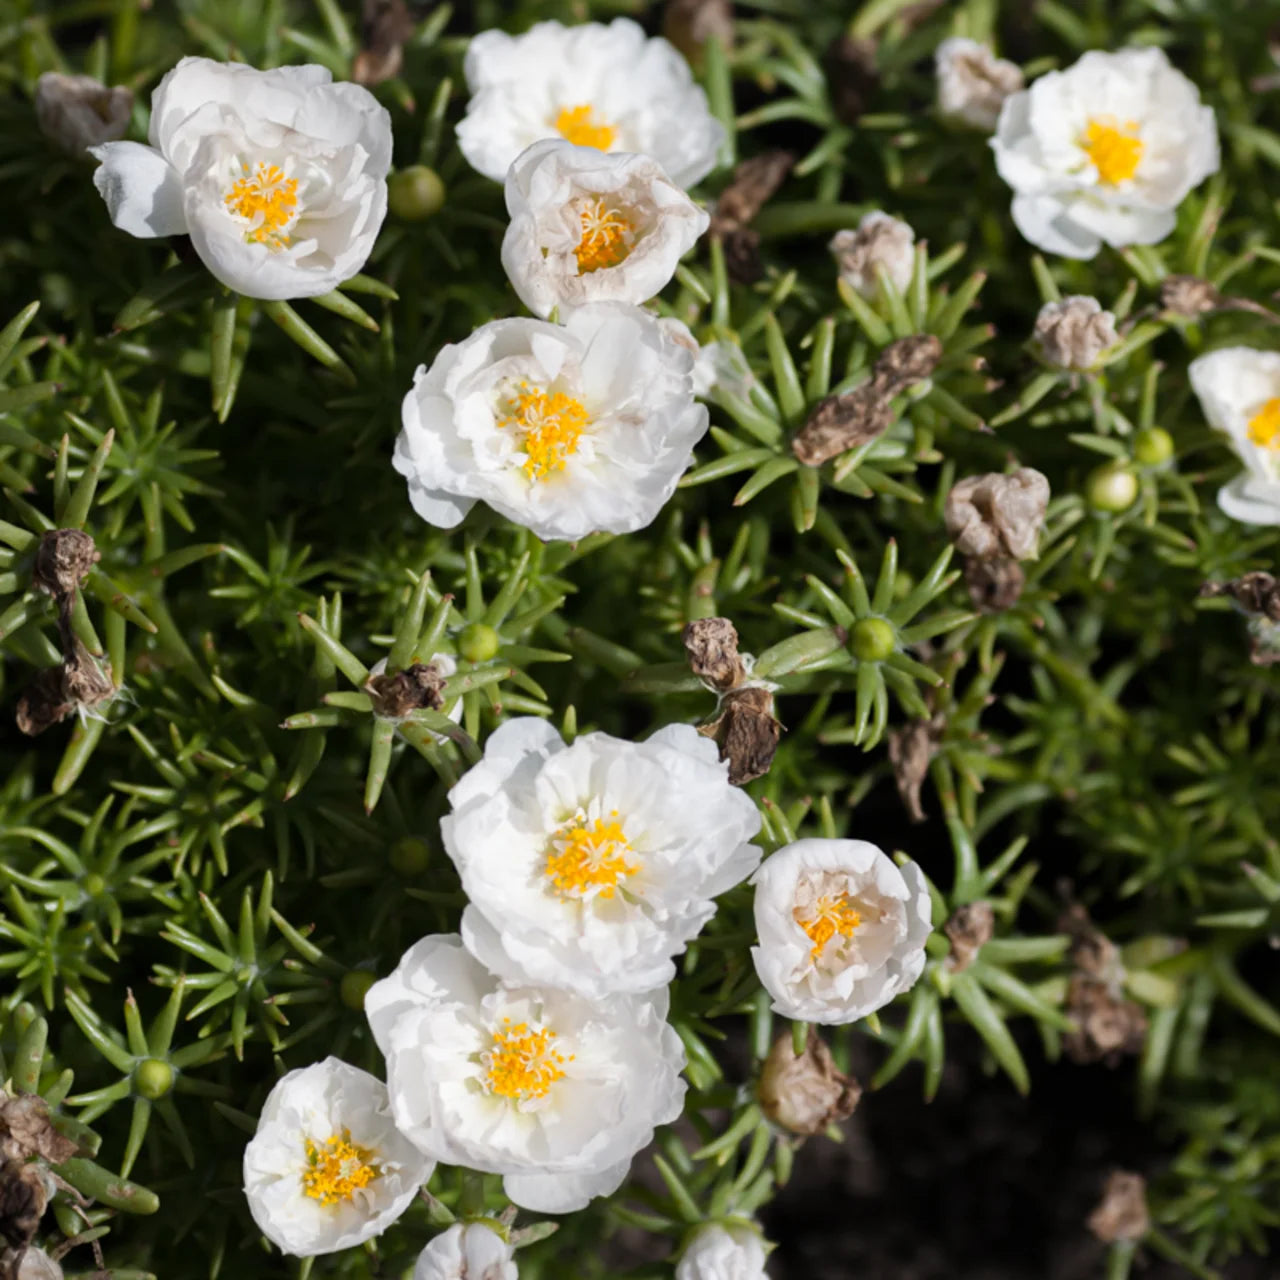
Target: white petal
142, 191
1046, 222
563, 1193
1251, 500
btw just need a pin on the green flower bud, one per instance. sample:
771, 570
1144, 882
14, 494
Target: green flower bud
1152, 446
872, 640
415, 193
409, 856
478, 642
355, 986
153, 1078
1112, 487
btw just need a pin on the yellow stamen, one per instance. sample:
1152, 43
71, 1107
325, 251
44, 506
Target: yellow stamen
1264, 426
827, 918
522, 1064
586, 856
1114, 149
606, 238
552, 423
574, 125
268, 201
337, 1168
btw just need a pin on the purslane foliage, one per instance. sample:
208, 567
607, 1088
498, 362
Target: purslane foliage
200, 880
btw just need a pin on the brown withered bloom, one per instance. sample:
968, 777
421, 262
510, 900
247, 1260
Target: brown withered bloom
968, 930
744, 726
911, 751
396, 696
26, 1130
852, 76
78, 112
1108, 1025
1073, 333
689, 24
385, 26
1190, 297
998, 515
805, 1094
63, 560
711, 645
1258, 595
1122, 1212
994, 585
23, 1200
78, 683
754, 181
843, 422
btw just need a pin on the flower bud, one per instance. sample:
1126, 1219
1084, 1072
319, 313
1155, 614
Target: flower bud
1152, 447
1073, 333
415, 193
78, 112
871, 639
805, 1094
478, 642
409, 856
153, 1078
1112, 487
973, 83
354, 986
879, 242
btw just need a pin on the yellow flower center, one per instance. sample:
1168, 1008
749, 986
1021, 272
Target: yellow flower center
589, 855
552, 424
1264, 426
337, 1168
574, 124
522, 1064
268, 201
826, 918
1114, 149
606, 238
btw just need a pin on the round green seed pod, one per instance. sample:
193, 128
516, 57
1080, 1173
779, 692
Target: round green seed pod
871, 640
153, 1078
478, 642
415, 193
1113, 488
410, 856
1152, 446
355, 986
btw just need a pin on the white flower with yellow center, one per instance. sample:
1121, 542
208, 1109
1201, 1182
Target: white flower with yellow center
1104, 152
565, 429
279, 177
1239, 391
723, 1251
591, 227
609, 87
550, 1090
589, 866
472, 1251
842, 929
327, 1168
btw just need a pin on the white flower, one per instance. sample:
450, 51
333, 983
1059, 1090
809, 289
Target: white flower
552, 1091
589, 866
727, 1251
721, 366
471, 1252
879, 242
608, 87
1104, 152
566, 429
591, 227
78, 112
972, 82
842, 929
1073, 333
1239, 391
327, 1168
279, 177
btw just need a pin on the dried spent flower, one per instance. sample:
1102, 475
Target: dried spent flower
968, 930
754, 182
1256, 593
63, 559
396, 696
1073, 333
689, 24
1108, 1025
973, 83
24, 1196
852, 76
78, 112
26, 1131
806, 1093
1190, 296
712, 648
78, 683
746, 731
998, 515
1122, 1212
384, 27
879, 243
911, 750
995, 583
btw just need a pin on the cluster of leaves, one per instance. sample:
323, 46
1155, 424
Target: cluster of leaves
176, 870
